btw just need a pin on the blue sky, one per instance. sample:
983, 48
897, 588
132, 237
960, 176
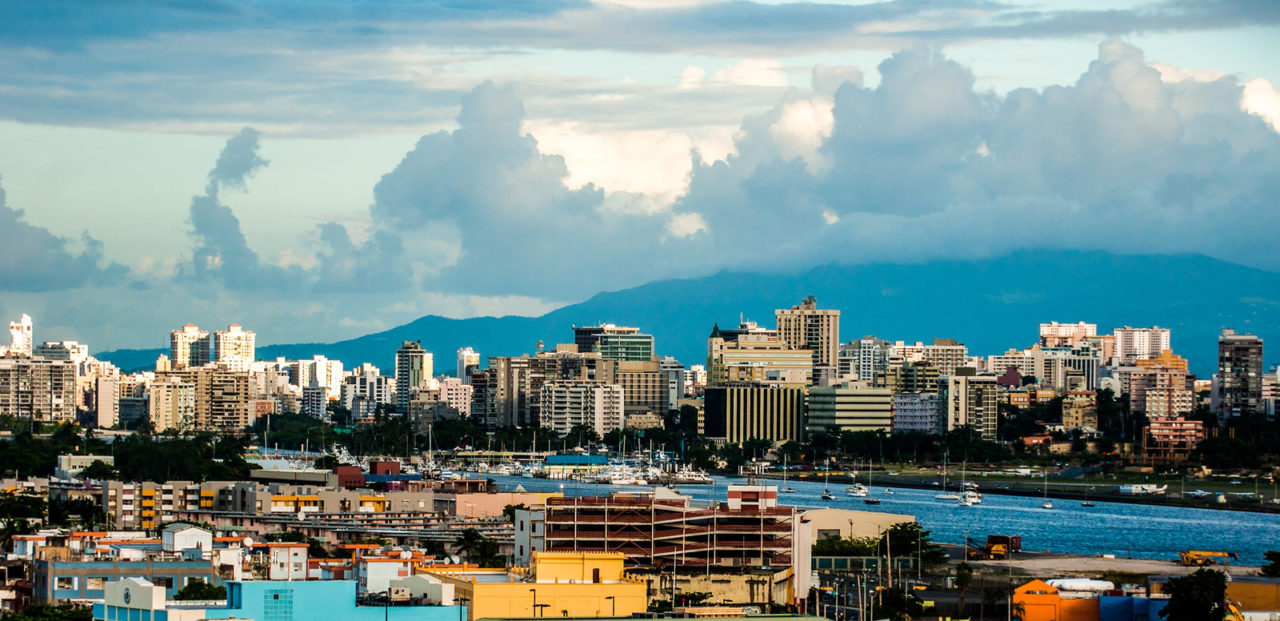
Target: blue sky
320, 170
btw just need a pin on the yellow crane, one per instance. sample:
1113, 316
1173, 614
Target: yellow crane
1203, 558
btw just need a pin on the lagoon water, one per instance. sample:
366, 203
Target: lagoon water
1123, 529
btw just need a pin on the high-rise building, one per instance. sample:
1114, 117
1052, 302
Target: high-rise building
172, 402
468, 363
1132, 344
754, 354
614, 342
413, 368
741, 411
596, 405
234, 347
806, 327
1160, 387
967, 400
20, 336
189, 347
864, 359
915, 411
74, 351
946, 355
1054, 334
909, 377
833, 409
38, 389
1238, 384
456, 395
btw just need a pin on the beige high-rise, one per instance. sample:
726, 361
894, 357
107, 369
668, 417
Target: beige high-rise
805, 326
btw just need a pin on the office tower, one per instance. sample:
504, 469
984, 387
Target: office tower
834, 409
743, 411
1132, 344
804, 326
468, 363
592, 404
864, 359
1054, 334
969, 401
234, 347
754, 354
1238, 384
413, 369
189, 347
20, 336
614, 342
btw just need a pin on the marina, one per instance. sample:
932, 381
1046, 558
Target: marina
1117, 528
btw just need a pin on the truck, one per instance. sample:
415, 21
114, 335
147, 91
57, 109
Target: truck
1012, 543
1203, 558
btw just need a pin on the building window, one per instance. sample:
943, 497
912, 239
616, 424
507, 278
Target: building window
162, 581
95, 583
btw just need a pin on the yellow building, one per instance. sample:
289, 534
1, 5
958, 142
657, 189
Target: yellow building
557, 584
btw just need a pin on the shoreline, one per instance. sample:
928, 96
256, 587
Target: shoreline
1031, 491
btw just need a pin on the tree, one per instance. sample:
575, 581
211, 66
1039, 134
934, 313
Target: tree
99, 471
1272, 568
509, 511
963, 580
200, 590
906, 538
327, 462
835, 545
1196, 597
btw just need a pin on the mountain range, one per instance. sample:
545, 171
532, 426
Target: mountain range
988, 304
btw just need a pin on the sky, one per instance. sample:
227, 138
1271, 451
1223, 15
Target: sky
320, 170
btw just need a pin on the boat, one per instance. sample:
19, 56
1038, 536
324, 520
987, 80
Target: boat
871, 501
857, 490
1047, 504
826, 491
970, 498
786, 489
1086, 502
945, 495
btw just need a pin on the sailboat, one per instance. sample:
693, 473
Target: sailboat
968, 496
786, 489
826, 491
1087, 502
1047, 504
944, 495
871, 500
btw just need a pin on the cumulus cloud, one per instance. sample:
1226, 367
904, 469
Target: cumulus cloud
221, 253
926, 165
522, 229
38, 260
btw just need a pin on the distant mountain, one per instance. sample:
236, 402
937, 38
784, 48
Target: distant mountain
990, 305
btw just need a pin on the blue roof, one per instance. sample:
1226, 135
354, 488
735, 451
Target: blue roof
577, 460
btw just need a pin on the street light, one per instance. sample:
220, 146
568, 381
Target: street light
462, 607
613, 606
535, 601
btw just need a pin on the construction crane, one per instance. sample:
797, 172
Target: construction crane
1203, 558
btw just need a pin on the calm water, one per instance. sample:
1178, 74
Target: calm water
1138, 531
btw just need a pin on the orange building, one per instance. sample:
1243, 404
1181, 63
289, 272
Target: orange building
1040, 601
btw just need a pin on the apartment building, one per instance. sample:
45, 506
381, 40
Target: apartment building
915, 411
754, 354
968, 400
596, 405
806, 327
38, 389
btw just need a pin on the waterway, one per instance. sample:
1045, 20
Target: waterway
1122, 529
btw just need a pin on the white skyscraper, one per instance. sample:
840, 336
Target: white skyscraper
468, 363
1140, 344
189, 347
234, 347
20, 335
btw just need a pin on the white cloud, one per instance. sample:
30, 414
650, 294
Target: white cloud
802, 127
1173, 75
1261, 98
651, 162
692, 77
752, 72
686, 224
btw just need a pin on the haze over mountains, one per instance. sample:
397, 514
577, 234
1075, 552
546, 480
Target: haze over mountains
989, 305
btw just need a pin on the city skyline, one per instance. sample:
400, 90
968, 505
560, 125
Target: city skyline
322, 175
